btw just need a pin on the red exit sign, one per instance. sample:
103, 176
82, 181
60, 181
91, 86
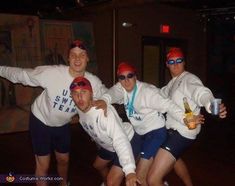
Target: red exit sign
165, 29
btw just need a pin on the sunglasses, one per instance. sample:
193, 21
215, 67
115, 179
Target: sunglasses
77, 84
129, 76
177, 61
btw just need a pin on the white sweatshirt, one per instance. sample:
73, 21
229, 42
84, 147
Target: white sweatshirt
190, 86
111, 134
148, 106
54, 106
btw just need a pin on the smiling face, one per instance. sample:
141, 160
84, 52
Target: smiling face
82, 98
127, 80
78, 60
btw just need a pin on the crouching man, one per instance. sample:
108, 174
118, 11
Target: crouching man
115, 138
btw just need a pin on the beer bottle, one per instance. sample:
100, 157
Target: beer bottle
191, 124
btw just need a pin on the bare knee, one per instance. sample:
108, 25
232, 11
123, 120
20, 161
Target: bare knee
113, 181
110, 182
153, 180
98, 166
42, 169
62, 160
42, 166
115, 176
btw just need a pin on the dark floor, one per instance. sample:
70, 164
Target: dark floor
211, 160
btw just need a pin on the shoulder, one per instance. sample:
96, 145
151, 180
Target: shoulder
147, 87
92, 78
52, 68
188, 77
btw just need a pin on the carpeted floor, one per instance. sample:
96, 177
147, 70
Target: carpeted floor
211, 160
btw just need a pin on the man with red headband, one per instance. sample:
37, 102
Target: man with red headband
180, 138
144, 107
110, 134
52, 110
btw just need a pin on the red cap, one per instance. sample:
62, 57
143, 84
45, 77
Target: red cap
123, 67
78, 43
175, 52
80, 83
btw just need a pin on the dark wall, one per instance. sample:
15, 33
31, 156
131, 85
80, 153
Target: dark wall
146, 18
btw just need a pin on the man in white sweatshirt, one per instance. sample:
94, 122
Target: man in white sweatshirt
144, 106
180, 137
109, 133
52, 110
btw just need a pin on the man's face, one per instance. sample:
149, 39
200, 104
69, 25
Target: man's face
82, 98
175, 68
127, 80
78, 60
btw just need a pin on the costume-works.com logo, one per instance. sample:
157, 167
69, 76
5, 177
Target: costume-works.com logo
10, 178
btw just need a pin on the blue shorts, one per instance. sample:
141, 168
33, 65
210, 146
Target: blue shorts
112, 156
151, 142
47, 139
176, 144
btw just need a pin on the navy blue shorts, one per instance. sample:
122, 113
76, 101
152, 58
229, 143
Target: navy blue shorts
47, 139
151, 142
176, 144
112, 156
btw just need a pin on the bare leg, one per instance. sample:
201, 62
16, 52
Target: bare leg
142, 170
115, 176
62, 166
42, 166
102, 166
163, 163
182, 171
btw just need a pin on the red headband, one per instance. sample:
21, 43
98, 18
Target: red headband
80, 83
123, 67
79, 44
175, 52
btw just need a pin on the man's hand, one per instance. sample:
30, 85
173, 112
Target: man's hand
222, 111
132, 180
199, 119
194, 120
100, 104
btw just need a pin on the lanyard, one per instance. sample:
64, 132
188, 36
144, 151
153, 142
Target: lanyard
130, 104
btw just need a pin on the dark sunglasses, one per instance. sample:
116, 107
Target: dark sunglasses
177, 61
129, 76
77, 84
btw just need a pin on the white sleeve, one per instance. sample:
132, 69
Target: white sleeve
26, 76
156, 101
114, 95
121, 143
200, 94
98, 88
164, 91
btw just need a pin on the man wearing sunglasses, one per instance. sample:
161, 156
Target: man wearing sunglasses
52, 110
144, 107
110, 133
180, 138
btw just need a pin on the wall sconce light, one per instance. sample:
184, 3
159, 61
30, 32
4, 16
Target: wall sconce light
127, 24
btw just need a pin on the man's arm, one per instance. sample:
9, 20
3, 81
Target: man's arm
121, 142
25, 76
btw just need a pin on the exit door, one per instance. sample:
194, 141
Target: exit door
154, 50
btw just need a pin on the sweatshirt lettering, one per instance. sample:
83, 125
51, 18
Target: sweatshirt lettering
64, 102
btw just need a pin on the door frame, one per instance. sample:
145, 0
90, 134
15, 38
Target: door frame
163, 44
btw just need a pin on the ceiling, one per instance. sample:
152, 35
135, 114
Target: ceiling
38, 7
